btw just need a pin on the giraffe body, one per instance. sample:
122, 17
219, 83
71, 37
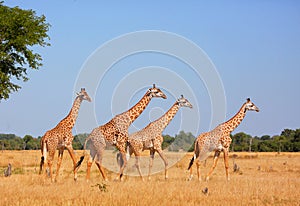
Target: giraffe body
218, 140
150, 138
115, 132
60, 137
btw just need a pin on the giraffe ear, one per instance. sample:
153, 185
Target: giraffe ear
248, 99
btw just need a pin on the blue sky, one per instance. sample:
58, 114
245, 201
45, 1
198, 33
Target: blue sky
255, 47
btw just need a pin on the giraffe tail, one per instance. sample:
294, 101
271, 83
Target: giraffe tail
84, 153
196, 151
192, 161
44, 154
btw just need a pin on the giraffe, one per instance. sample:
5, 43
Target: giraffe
115, 132
60, 137
150, 137
218, 140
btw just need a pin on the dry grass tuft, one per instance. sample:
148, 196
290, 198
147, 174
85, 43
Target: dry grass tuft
276, 182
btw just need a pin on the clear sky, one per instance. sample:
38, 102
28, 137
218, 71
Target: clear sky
254, 46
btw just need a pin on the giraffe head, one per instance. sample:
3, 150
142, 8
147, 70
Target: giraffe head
83, 95
183, 102
156, 92
250, 106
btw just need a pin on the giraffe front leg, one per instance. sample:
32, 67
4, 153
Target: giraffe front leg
60, 156
121, 146
226, 157
72, 155
216, 157
163, 157
120, 175
137, 164
152, 152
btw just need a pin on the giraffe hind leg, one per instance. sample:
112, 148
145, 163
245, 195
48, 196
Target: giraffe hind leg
198, 170
190, 168
89, 163
226, 164
99, 164
44, 157
216, 157
42, 164
60, 156
50, 162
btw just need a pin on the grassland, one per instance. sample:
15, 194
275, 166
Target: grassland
263, 179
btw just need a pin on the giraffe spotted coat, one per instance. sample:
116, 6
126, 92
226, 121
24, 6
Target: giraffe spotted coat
60, 137
115, 132
218, 140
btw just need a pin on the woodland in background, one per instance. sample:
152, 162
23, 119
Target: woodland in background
287, 141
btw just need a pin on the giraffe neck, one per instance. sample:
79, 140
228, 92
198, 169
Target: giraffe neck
164, 120
232, 123
70, 119
135, 111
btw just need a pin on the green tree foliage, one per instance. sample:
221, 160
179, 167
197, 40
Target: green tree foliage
240, 142
13, 142
287, 141
20, 30
183, 141
78, 141
31, 143
167, 141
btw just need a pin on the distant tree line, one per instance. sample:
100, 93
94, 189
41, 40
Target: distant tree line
287, 141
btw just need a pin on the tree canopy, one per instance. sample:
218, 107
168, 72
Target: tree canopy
20, 31
287, 141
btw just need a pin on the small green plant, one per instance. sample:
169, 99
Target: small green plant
18, 171
102, 187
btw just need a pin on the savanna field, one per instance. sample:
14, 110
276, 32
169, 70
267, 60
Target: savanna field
262, 179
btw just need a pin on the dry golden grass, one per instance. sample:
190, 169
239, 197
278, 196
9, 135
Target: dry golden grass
263, 179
